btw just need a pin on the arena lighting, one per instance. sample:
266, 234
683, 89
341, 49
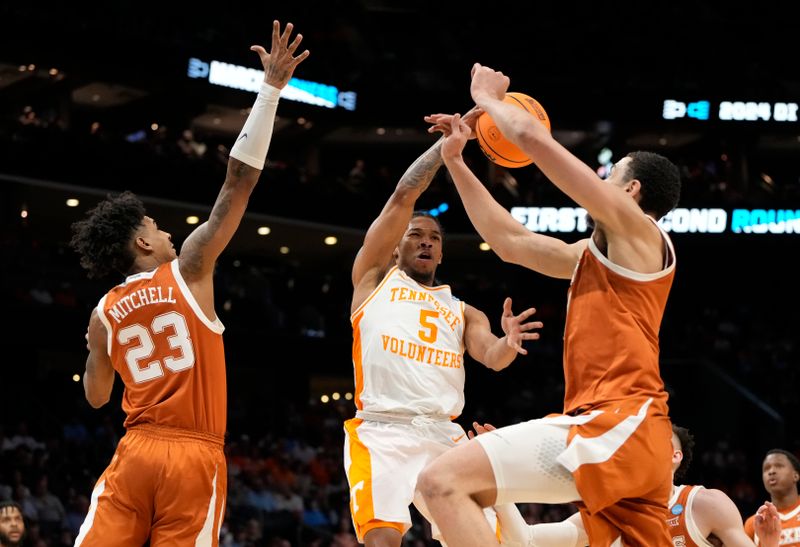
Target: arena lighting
680, 221
264, 230
284, 250
250, 79
484, 246
324, 399
76, 377
73, 202
192, 219
331, 240
442, 208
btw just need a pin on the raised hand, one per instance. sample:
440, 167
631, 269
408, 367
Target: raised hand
456, 138
441, 122
487, 83
280, 62
480, 429
516, 329
768, 525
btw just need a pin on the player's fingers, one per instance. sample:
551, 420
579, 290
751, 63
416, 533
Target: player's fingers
295, 43
286, 33
527, 313
530, 326
276, 34
530, 336
300, 58
262, 53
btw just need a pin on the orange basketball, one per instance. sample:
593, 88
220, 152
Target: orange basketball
494, 144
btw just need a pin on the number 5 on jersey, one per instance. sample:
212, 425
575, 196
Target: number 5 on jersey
144, 350
429, 331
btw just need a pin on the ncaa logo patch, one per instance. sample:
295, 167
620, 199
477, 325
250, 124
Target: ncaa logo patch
677, 509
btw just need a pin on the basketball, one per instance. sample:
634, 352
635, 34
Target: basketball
494, 144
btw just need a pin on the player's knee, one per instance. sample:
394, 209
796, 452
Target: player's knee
435, 482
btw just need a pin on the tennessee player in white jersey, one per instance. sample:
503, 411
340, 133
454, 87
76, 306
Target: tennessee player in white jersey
695, 516
780, 472
158, 330
409, 337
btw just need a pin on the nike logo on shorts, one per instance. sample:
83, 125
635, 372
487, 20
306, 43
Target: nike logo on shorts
456, 439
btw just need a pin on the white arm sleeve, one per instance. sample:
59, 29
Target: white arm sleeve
253, 142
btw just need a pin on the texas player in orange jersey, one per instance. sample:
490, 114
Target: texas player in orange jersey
696, 516
158, 330
610, 448
780, 472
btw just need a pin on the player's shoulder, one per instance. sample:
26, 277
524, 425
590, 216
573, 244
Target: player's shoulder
716, 506
712, 496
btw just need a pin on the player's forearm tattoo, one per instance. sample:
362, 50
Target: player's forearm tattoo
421, 172
238, 168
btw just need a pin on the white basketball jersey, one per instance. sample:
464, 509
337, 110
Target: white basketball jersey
408, 349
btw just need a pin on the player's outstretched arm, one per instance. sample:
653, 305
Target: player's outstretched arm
491, 351
508, 238
204, 245
608, 205
386, 231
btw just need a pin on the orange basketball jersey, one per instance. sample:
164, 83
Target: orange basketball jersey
611, 337
168, 353
680, 519
790, 526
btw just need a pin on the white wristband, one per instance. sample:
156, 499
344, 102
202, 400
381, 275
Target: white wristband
253, 142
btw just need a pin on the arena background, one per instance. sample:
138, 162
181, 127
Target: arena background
98, 98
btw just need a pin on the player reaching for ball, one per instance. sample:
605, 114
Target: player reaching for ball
611, 449
158, 330
409, 337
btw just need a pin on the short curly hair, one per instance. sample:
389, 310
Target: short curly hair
687, 447
660, 179
103, 238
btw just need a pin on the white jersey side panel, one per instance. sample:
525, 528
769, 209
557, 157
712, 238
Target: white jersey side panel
408, 349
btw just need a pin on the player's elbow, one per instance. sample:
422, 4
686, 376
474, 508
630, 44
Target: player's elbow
95, 400
94, 395
497, 367
504, 249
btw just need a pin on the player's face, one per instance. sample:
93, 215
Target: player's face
420, 250
778, 473
159, 240
11, 525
